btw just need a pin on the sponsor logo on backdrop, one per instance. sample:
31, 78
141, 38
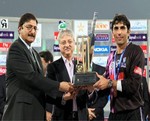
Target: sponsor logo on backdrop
113, 48
113, 40
102, 37
144, 48
138, 25
2, 70
7, 34
56, 48
4, 46
102, 25
138, 37
144, 72
2, 59
4, 23
56, 35
101, 49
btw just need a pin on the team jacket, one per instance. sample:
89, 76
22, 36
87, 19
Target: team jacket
130, 74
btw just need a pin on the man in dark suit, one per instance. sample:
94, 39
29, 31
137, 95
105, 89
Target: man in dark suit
2, 94
26, 84
46, 58
70, 106
98, 99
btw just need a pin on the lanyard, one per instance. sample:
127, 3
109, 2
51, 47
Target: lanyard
117, 69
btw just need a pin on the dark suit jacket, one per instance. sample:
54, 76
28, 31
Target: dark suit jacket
99, 98
26, 86
57, 71
2, 94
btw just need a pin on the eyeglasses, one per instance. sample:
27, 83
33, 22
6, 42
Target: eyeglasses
30, 27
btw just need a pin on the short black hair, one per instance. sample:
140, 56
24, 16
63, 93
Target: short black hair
47, 55
120, 18
25, 18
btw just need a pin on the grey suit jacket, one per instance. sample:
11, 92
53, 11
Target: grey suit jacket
26, 85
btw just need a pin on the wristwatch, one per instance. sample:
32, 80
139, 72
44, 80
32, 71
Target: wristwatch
110, 83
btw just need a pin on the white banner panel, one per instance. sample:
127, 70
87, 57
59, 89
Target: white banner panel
138, 25
100, 60
3, 23
37, 42
80, 28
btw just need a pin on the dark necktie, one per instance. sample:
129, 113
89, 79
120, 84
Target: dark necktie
34, 57
31, 52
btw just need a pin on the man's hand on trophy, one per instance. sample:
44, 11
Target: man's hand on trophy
70, 95
66, 87
77, 88
91, 113
86, 87
102, 83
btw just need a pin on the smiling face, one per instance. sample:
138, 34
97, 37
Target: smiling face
67, 45
28, 31
120, 33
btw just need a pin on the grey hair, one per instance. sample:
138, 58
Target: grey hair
65, 32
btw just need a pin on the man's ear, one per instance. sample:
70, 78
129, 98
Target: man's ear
19, 28
129, 31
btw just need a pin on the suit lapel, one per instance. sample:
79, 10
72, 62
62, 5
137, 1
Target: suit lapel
30, 58
63, 70
75, 63
38, 61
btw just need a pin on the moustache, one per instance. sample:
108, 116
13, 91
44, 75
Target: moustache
31, 35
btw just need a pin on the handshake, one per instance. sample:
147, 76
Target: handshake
66, 87
101, 84
69, 87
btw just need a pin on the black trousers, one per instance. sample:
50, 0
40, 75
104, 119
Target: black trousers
128, 115
71, 116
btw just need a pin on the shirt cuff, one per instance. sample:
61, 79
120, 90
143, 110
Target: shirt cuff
90, 94
119, 86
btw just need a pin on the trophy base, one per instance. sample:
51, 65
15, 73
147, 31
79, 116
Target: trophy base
84, 78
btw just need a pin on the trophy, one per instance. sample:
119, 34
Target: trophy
84, 76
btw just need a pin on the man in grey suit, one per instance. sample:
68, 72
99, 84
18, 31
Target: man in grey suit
26, 84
